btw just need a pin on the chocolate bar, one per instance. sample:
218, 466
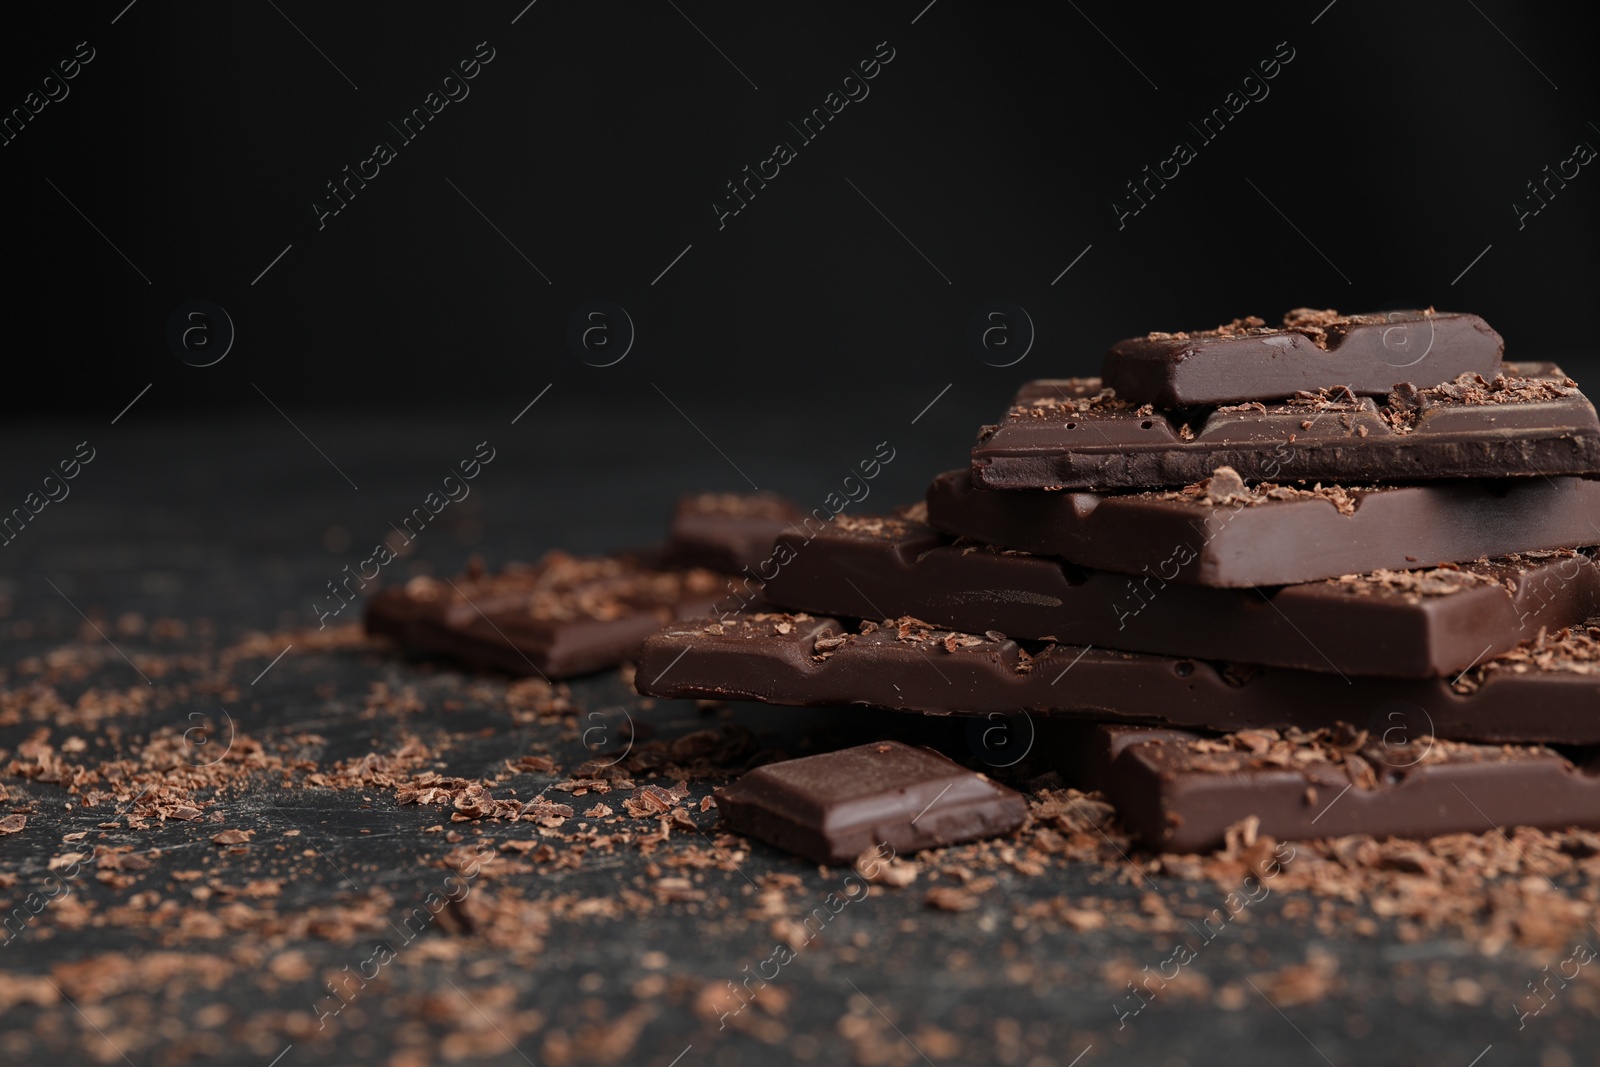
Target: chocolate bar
1545, 691
1248, 360
560, 617
727, 532
1221, 532
833, 807
1075, 434
1179, 792
1416, 623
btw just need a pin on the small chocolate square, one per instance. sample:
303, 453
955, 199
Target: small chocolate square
832, 807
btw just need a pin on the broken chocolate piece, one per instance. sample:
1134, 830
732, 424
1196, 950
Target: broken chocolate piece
1180, 792
560, 617
1545, 691
1247, 360
833, 807
1274, 534
1077, 434
727, 532
1413, 623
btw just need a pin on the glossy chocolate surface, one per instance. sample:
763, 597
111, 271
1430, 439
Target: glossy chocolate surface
1179, 792
833, 807
1075, 434
1270, 534
1545, 691
1415, 623
1247, 360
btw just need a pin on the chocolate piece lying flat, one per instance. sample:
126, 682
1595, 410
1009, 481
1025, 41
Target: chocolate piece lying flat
1547, 692
833, 807
1408, 624
1271, 534
1073, 434
727, 531
1247, 360
560, 617
1178, 792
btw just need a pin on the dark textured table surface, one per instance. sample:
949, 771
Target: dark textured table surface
189, 554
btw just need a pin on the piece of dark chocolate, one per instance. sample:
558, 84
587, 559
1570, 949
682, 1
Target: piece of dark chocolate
1247, 360
560, 617
1180, 792
833, 807
1221, 532
1075, 434
1545, 691
1415, 623
727, 532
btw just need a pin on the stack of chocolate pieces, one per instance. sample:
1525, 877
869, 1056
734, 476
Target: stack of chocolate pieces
1263, 567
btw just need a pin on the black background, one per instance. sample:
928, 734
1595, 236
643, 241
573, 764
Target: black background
600, 135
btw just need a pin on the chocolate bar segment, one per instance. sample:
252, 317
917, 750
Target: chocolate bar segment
1247, 360
1545, 691
1417, 623
560, 617
1221, 532
1076, 434
1179, 793
727, 531
833, 807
